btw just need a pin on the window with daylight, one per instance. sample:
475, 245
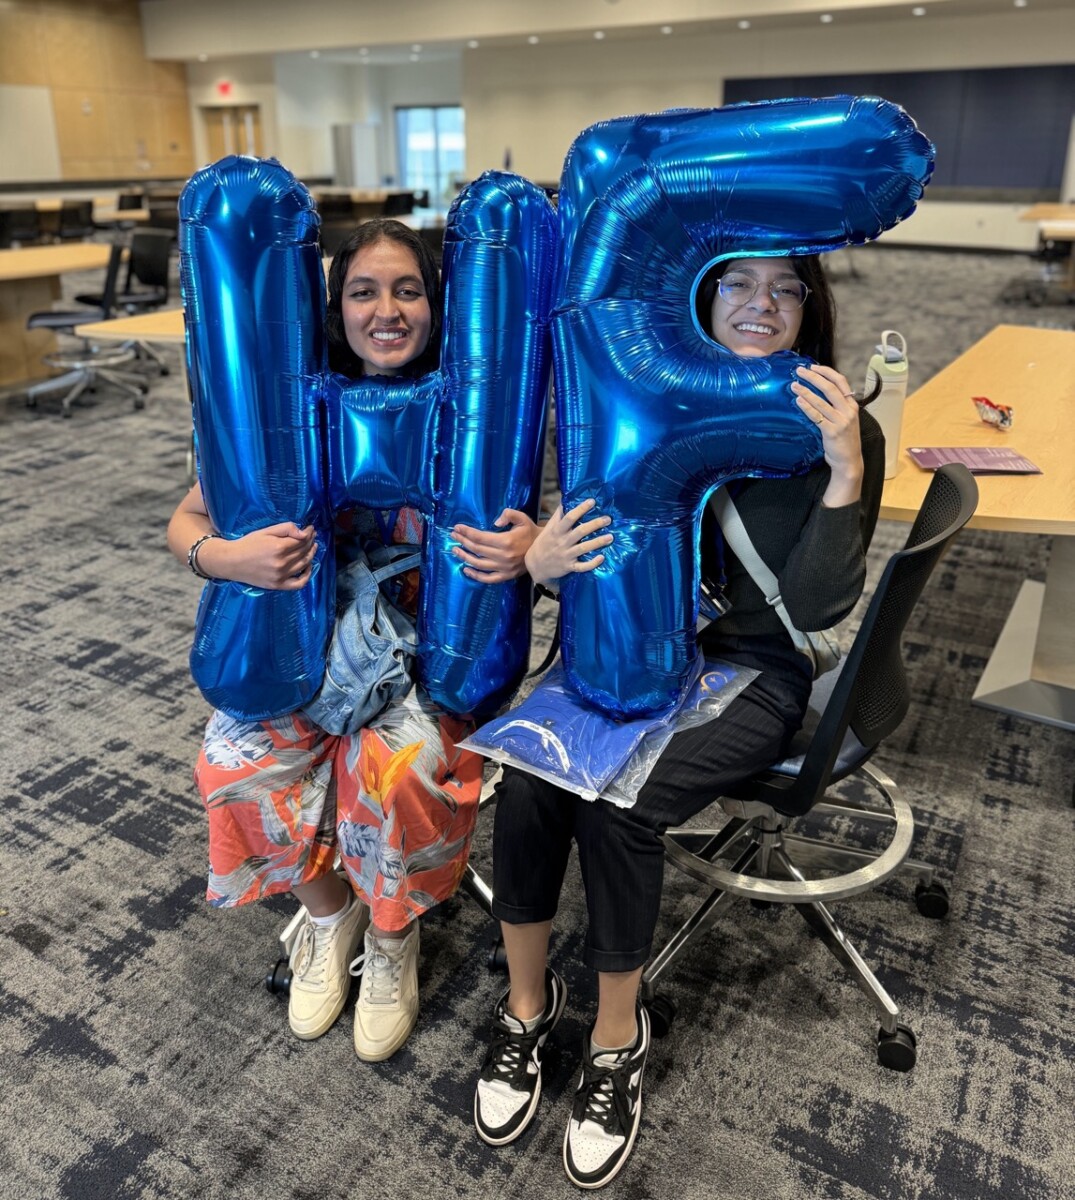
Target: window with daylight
431, 145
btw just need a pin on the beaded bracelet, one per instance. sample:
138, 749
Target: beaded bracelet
192, 555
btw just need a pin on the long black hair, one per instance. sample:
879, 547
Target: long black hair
341, 358
817, 334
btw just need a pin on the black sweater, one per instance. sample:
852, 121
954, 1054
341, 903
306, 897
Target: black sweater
818, 554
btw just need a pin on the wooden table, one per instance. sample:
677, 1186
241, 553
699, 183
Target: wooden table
1032, 669
29, 283
161, 325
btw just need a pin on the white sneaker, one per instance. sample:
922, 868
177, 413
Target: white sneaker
319, 978
387, 1005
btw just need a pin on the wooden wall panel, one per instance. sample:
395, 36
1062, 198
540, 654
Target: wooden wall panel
75, 45
22, 50
116, 112
82, 123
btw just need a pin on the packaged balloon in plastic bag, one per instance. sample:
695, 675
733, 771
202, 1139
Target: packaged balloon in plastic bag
557, 736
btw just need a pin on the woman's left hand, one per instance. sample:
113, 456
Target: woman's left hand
496, 557
829, 402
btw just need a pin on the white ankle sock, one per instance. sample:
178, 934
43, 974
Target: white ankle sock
595, 1049
530, 1024
332, 918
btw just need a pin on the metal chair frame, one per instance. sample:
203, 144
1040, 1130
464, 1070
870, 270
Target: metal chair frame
853, 710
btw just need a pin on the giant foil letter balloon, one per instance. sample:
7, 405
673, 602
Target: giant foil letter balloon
281, 440
652, 415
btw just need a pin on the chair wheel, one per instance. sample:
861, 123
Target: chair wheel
498, 956
139, 402
897, 1051
662, 1012
278, 980
761, 904
166, 370
932, 900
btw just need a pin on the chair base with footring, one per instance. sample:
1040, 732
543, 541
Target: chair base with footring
852, 710
81, 369
147, 286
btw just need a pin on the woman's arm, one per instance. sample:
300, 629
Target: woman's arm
278, 557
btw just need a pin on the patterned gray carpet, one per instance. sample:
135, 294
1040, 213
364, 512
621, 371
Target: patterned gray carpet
142, 1057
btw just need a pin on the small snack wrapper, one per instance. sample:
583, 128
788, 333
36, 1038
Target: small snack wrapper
991, 413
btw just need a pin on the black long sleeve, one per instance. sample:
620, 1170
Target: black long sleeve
818, 554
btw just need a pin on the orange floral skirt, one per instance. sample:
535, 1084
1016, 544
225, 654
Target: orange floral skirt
397, 802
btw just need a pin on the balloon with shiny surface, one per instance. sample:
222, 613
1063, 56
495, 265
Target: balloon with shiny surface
254, 301
652, 414
281, 439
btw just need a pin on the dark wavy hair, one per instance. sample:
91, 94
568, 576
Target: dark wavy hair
341, 358
817, 334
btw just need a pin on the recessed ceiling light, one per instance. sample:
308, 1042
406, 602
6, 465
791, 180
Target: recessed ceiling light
473, 43
315, 53
666, 29
1020, 3
416, 48
415, 58
599, 35
363, 49
533, 39
203, 58
826, 18
743, 24
918, 11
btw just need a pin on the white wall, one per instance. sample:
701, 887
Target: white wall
537, 98
28, 146
311, 97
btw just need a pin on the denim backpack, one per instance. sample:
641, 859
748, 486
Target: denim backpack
371, 654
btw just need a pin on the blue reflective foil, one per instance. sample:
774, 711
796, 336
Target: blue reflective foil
254, 298
651, 414
466, 442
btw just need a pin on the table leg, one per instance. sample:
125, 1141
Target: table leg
22, 349
1031, 672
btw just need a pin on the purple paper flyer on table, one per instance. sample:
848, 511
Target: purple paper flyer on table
979, 460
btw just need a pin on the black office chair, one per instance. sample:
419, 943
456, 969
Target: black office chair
147, 286
852, 710
76, 220
398, 204
83, 367
19, 227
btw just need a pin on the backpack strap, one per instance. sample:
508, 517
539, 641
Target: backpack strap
736, 536
394, 560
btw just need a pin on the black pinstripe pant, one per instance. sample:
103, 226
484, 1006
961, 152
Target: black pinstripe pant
620, 850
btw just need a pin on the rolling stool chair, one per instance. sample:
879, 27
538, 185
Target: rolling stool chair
852, 709
82, 368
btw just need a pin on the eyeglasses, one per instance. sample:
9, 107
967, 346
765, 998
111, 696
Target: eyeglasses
736, 290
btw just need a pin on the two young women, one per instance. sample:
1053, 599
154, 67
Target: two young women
284, 797
396, 801
812, 531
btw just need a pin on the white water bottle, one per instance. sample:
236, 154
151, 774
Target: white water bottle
890, 365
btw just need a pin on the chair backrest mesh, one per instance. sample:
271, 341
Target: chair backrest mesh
872, 695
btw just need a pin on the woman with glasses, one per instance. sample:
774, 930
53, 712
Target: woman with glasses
812, 531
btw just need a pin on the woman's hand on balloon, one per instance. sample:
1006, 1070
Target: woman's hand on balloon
493, 557
560, 545
830, 403
278, 557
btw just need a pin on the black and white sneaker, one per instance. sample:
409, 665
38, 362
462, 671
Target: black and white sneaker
607, 1109
509, 1086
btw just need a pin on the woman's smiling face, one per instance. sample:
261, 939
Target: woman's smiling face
757, 328
385, 309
